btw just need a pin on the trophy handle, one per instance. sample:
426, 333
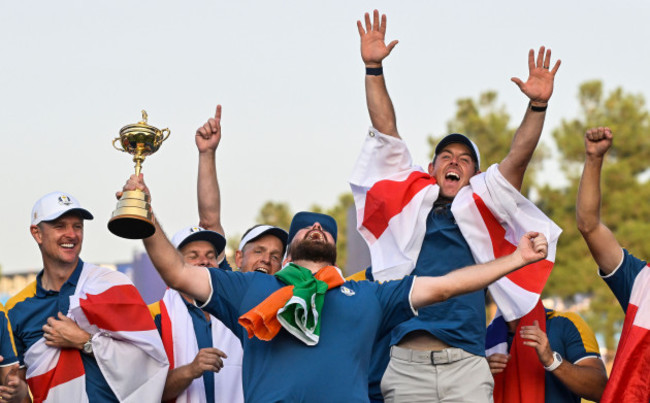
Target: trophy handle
118, 149
166, 132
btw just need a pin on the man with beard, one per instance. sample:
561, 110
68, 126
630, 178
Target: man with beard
299, 320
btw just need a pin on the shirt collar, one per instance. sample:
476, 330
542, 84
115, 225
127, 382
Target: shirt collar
72, 280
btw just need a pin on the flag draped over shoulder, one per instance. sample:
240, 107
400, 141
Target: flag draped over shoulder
393, 198
125, 341
296, 307
628, 381
179, 339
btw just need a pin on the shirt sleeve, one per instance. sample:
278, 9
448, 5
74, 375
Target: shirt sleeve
395, 299
7, 348
228, 291
579, 340
621, 280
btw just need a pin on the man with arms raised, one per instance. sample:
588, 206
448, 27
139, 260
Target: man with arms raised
627, 276
300, 350
427, 223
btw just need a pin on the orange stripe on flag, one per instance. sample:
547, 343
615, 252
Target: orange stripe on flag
262, 320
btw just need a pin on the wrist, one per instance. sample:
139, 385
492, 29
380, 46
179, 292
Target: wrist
374, 71
537, 106
556, 362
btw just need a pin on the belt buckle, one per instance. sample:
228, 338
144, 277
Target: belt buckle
442, 358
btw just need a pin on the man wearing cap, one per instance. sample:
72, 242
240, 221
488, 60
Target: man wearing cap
411, 218
71, 344
262, 247
302, 316
191, 336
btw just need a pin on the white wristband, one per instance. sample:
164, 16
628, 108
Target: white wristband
557, 360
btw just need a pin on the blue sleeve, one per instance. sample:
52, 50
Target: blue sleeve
574, 344
394, 298
158, 323
7, 349
228, 291
622, 280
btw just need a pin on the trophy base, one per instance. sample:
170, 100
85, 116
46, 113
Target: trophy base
131, 227
133, 218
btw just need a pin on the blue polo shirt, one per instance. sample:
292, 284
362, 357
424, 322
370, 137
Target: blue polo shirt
7, 349
336, 369
569, 335
28, 312
460, 321
621, 280
203, 332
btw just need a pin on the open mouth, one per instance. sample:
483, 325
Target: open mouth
452, 176
261, 270
67, 245
316, 235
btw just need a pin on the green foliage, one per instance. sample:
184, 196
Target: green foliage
624, 209
275, 213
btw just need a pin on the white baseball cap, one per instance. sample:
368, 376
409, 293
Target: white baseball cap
194, 233
258, 231
54, 205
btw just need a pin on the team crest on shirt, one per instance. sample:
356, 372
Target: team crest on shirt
65, 200
348, 292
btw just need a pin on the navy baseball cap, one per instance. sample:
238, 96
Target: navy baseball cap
462, 139
306, 219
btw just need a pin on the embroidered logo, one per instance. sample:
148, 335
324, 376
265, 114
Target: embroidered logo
65, 200
348, 292
195, 229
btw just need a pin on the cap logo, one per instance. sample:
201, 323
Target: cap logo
195, 229
65, 200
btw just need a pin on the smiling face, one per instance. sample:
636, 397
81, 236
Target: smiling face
264, 255
60, 240
452, 168
314, 244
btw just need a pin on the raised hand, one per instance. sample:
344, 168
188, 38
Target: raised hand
373, 45
134, 182
535, 337
597, 141
208, 136
539, 86
532, 247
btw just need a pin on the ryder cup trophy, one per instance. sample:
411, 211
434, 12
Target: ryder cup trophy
133, 217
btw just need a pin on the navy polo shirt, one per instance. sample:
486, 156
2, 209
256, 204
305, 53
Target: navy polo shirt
460, 321
28, 312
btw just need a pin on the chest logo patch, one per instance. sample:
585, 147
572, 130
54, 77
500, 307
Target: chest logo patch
348, 292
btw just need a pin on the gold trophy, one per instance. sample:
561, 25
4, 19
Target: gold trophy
133, 217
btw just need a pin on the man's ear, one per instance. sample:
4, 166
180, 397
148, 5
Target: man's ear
36, 233
239, 258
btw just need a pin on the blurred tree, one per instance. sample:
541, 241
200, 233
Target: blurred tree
275, 213
625, 191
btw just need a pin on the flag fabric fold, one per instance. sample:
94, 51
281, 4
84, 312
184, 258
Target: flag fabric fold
393, 198
296, 307
523, 380
106, 305
628, 381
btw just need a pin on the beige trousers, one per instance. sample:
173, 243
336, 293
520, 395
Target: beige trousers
449, 375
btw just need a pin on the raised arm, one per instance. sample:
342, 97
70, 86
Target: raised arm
191, 280
538, 88
601, 241
532, 247
373, 52
207, 139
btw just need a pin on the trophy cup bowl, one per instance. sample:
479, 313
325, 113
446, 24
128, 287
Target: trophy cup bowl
133, 217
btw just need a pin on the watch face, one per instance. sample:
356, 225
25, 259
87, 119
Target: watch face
88, 347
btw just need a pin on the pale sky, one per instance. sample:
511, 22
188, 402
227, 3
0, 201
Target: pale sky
290, 79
